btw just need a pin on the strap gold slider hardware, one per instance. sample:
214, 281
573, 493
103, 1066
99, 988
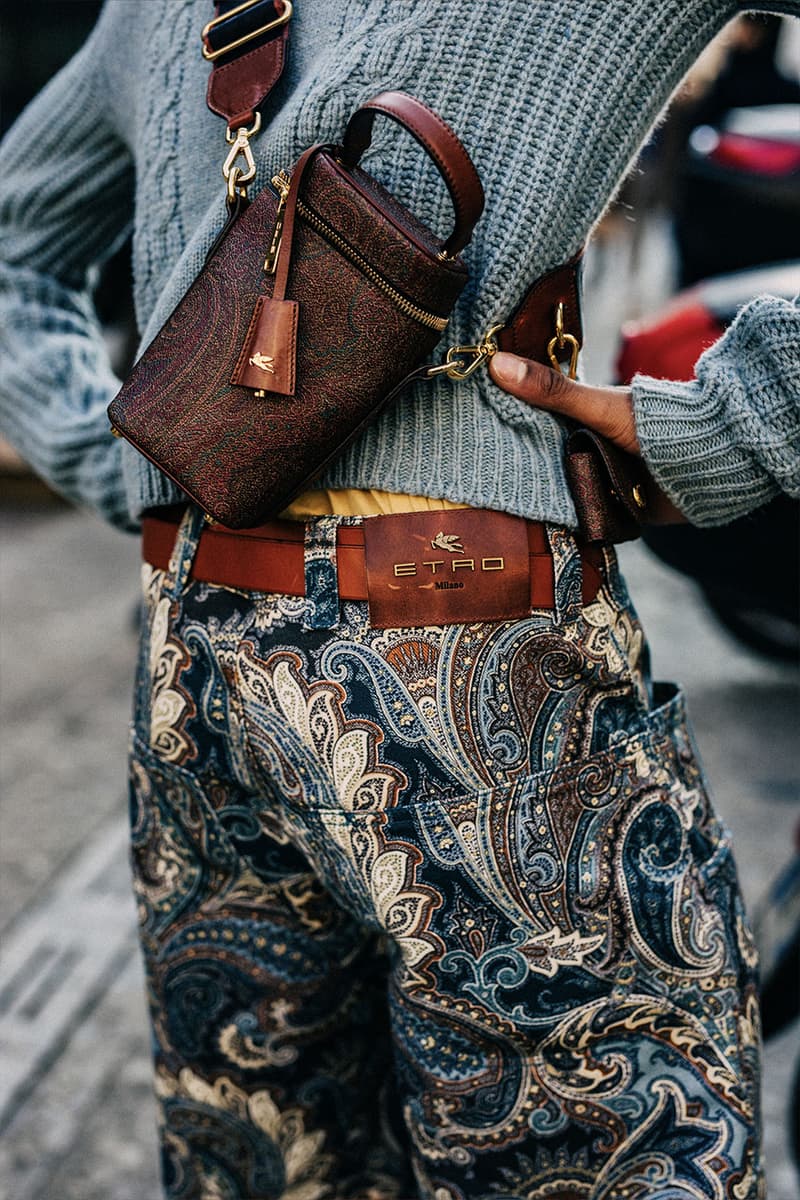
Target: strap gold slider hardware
213, 55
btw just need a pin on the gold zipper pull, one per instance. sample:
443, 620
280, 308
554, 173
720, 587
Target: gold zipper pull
281, 182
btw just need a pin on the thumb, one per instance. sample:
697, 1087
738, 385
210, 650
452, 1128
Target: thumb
607, 410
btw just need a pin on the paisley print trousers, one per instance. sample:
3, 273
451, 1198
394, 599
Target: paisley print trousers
439, 912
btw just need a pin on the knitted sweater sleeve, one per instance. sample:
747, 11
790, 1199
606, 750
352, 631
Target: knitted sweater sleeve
66, 184
729, 441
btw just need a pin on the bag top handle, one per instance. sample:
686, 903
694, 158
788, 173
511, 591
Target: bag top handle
438, 140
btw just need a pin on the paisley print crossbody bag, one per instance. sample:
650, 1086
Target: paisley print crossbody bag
320, 301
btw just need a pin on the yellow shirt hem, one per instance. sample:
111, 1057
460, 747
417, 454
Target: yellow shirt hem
360, 502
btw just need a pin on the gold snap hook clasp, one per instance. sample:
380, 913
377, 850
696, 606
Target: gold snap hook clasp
463, 361
563, 341
236, 175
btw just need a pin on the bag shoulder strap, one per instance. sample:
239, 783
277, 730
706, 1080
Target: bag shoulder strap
246, 45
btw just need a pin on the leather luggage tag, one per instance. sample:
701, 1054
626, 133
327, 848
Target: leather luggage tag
456, 565
269, 352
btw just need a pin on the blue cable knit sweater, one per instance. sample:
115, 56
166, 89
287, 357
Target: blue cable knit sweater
553, 100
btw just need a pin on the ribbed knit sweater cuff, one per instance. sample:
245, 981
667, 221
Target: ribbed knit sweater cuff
729, 441
691, 451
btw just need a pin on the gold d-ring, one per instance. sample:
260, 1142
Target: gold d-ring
562, 340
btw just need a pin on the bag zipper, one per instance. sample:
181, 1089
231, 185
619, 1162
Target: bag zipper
282, 182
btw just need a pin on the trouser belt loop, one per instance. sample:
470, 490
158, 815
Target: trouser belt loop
183, 552
321, 575
568, 574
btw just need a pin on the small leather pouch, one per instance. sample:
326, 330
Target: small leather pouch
320, 302
610, 489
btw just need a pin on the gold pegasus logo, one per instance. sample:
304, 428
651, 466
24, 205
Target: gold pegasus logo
447, 541
263, 362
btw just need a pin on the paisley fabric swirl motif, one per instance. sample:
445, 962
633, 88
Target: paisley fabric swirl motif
339, 755
276, 1155
445, 900
169, 704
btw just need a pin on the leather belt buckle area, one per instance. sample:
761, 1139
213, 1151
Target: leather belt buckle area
454, 566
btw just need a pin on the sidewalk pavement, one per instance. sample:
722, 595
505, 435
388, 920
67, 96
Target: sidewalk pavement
75, 1106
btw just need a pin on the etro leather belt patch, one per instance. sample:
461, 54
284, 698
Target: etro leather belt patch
434, 568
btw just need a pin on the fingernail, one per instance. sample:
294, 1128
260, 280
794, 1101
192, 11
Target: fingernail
508, 367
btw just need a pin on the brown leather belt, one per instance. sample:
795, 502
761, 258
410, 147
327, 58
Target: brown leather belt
270, 557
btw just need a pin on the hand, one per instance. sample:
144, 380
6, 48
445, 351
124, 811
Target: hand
607, 410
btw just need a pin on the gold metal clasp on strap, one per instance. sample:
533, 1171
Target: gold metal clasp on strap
563, 341
237, 176
212, 55
462, 361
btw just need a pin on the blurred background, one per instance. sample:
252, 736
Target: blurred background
709, 218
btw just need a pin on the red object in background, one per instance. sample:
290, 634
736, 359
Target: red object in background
758, 155
668, 346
